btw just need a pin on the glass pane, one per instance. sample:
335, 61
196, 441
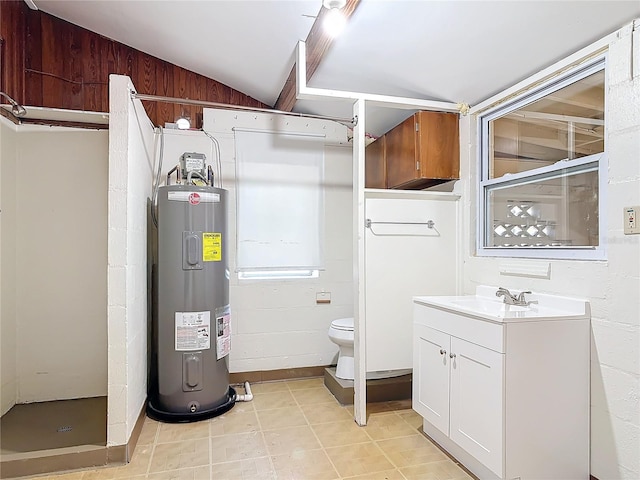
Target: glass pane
558, 211
565, 124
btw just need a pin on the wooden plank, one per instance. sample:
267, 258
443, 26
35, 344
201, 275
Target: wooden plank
147, 81
318, 44
92, 73
33, 61
12, 32
52, 53
74, 67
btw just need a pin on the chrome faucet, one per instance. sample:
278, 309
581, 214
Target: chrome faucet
511, 299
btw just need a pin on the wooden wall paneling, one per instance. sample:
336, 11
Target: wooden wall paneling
93, 81
49, 62
73, 67
125, 62
33, 60
52, 64
164, 88
147, 81
12, 31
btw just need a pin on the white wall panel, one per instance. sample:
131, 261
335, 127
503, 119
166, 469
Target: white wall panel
612, 286
61, 259
403, 260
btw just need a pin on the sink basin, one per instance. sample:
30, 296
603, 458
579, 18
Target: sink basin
484, 304
489, 306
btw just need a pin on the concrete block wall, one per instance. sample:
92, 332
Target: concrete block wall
612, 286
131, 161
277, 324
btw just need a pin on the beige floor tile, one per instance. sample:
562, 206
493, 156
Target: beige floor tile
177, 432
325, 413
388, 425
241, 446
269, 387
66, 476
290, 440
307, 465
411, 450
252, 469
281, 418
312, 396
411, 417
149, 431
268, 401
340, 433
314, 382
386, 475
179, 455
198, 473
358, 459
427, 471
241, 407
232, 423
106, 473
139, 464
444, 470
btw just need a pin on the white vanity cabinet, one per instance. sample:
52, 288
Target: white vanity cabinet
509, 398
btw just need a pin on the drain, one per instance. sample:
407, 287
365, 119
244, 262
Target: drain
64, 429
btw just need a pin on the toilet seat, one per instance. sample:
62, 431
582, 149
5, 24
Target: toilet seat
343, 324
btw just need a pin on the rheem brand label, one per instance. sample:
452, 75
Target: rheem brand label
194, 198
203, 197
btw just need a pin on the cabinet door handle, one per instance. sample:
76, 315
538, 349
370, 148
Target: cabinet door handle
443, 351
452, 355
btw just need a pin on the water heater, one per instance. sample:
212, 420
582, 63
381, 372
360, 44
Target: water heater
189, 378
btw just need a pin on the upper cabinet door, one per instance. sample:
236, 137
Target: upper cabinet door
439, 145
401, 153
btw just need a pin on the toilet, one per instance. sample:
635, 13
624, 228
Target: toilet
341, 333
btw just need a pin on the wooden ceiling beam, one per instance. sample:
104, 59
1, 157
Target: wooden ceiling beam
318, 43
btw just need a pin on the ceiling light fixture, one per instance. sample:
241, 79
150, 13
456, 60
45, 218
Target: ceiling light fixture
183, 123
334, 20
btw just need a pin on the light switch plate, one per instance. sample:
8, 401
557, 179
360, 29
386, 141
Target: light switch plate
631, 220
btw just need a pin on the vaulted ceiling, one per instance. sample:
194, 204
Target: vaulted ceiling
458, 51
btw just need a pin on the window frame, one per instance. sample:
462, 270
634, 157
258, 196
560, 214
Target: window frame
484, 183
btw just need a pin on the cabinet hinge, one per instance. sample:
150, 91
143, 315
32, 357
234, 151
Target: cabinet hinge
417, 127
417, 165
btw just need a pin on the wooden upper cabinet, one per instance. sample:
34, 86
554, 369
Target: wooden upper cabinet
375, 170
422, 151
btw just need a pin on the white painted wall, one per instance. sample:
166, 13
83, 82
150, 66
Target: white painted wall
277, 324
612, 286
131, 161
53, 264
8, 374
404, 260
61, 255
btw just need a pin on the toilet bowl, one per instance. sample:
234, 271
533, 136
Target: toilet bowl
341, 333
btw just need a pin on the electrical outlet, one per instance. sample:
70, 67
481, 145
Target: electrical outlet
631, 221
323, 297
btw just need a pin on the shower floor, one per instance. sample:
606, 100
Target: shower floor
30, 428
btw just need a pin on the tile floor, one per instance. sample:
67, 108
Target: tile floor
292, 430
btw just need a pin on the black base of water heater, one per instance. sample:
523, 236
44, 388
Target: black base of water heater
182, 417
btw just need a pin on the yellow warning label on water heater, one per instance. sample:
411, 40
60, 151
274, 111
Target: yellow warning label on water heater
211, 247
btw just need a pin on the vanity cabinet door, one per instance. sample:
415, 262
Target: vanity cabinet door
477, 386
431, 376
